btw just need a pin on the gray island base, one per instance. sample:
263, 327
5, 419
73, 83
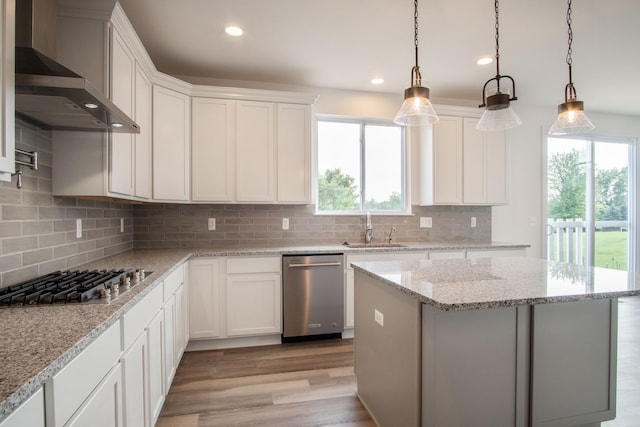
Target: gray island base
487, 342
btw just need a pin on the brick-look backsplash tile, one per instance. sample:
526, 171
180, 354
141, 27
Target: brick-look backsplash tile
37, 230
245, 226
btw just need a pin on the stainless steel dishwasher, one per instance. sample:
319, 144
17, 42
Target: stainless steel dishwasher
313, 301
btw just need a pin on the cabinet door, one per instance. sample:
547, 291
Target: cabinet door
7, 70
104, 407
204, 298
474, 163
121, 154
254, 304
155, 335
30, 413
142, 149
497, 167
169, 342
171, 134
212, 161
294, 153
179, 344
135, 374
349, 301
447, 161
255, 180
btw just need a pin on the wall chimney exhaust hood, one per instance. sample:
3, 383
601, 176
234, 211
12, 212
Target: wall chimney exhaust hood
48, 94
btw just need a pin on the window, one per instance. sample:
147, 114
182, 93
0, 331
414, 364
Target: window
360, 167
590, 209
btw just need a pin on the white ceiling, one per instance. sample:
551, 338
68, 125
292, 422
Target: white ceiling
343, 44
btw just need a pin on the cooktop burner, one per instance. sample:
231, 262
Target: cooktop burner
71, 286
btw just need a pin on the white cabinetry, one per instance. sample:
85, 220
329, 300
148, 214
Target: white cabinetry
98, 44
250, 151
460, 165
121, 147
30, 413
213, 150
174, 312
171, 141
155, 331
204, 298
65, 395
293, 144
254, 296
7, 70
255, 180
104, 407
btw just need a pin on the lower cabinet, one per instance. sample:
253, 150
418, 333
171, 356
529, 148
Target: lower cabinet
135, 374
235, 297
30, 413
103, 408
157, 391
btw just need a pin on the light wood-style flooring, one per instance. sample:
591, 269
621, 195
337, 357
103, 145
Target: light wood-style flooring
313, 384
298, 384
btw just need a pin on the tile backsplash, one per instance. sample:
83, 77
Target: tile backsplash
245, 226
38, 230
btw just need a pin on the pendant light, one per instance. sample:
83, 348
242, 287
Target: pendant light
571, 117
416, 110
498, 114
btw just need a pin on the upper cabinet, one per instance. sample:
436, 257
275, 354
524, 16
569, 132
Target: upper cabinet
460, 165
7, 126
171, 143
250, 151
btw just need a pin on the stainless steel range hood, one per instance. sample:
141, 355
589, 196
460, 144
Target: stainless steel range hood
48, 94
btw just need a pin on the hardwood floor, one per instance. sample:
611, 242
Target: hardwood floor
313, 384
301, 384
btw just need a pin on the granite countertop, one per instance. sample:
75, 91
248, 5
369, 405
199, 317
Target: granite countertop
37, 342
463, 284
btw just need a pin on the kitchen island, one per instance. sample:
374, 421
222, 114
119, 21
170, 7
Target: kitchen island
490, 341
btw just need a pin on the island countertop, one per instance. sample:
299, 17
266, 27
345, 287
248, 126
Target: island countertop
464, 284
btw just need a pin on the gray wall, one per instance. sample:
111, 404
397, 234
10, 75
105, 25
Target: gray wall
37, 230
242, 226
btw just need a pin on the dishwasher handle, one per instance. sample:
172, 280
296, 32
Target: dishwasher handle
316, 264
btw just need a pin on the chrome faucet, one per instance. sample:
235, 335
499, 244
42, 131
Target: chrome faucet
391, 233
368, 229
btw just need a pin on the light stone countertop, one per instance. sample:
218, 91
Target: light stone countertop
464, 284
37, 342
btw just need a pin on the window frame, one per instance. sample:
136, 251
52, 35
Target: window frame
405, 166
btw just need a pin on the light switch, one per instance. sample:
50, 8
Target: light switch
378, 317
285, 223
473, 221
122, 225
211, 224
78, 228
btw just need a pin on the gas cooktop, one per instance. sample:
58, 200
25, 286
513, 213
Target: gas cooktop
72, 287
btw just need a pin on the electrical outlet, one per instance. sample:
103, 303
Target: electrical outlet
378, 317
122, 225
473, 221
211, 224
78, 228
285, 223
425, 222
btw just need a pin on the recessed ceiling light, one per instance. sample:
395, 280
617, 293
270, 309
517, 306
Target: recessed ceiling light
234, 31
484, 61
377, 81
91, 105
117, 125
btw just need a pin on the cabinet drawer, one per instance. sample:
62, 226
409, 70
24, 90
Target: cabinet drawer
65, 392
173, 282
253, 265
135, 320
30, 413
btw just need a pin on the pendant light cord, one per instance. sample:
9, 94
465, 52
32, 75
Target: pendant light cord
416, 78
570, 91
497, 46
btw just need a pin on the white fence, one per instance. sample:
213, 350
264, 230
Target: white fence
565, 239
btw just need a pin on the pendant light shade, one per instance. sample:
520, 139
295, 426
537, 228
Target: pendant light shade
498, 114
571, 116
416, 110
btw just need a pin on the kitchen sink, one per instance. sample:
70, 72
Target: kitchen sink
375, 245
